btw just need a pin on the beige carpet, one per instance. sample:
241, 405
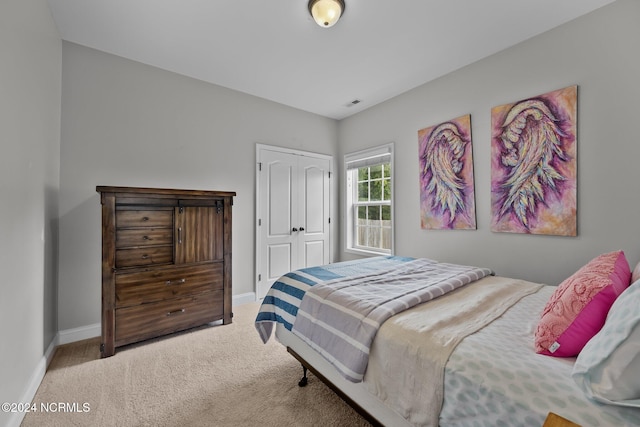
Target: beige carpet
214, 376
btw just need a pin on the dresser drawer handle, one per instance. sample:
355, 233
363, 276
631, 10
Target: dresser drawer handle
171, 313
145, 256
145, 218
146, 238
175, 282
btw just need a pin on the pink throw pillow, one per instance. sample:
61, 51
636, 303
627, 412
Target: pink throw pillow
579, 306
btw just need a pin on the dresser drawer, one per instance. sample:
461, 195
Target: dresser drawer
129, 237
150, 320
150, 286
138, 257
144, 218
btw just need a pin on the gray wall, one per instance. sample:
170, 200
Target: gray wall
30, 70
124, 123
128, 124
599, 53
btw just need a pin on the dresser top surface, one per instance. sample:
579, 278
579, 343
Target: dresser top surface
121, 191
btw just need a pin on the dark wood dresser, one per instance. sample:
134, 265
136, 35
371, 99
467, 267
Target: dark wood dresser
166, 262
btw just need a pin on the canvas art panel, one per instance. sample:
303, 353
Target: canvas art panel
447, 194
534, 165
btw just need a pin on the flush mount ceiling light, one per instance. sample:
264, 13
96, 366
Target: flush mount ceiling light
326, 12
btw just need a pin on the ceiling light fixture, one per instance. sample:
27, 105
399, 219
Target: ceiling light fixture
326, 12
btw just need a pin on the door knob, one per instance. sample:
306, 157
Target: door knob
301, 228
294, 229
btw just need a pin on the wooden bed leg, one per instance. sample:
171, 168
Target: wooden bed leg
304, 380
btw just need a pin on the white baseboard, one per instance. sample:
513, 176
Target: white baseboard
34, 382
244, 298
78, 334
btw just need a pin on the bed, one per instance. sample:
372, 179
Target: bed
455, 350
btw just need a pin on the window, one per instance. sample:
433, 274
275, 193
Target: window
369, 208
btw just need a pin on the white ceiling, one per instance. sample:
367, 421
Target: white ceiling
274, 50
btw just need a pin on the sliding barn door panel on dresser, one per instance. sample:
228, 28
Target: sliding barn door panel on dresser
166, 262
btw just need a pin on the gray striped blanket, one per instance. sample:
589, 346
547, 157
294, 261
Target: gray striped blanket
281, 303
340, 318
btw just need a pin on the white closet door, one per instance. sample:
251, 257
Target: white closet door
313, 209
293, 207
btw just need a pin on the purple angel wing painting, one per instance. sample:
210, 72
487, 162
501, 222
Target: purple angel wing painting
447, 199
533, 165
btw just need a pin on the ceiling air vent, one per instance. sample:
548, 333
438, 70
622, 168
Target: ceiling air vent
354, 102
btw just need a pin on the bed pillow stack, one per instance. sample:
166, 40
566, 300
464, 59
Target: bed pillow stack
608, 368
578, 308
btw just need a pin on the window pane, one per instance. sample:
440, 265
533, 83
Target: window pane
374, 237
386, 189
376, 190
387, 170
386, 213
374, 214
363, 191
386, 238
362, 236
363, 174
376, 172
362, 212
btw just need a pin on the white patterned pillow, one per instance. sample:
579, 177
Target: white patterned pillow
635, 275
608, 367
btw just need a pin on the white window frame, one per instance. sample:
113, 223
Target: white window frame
352, 161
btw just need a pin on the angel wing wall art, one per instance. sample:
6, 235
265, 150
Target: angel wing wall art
447, 199
534, 165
